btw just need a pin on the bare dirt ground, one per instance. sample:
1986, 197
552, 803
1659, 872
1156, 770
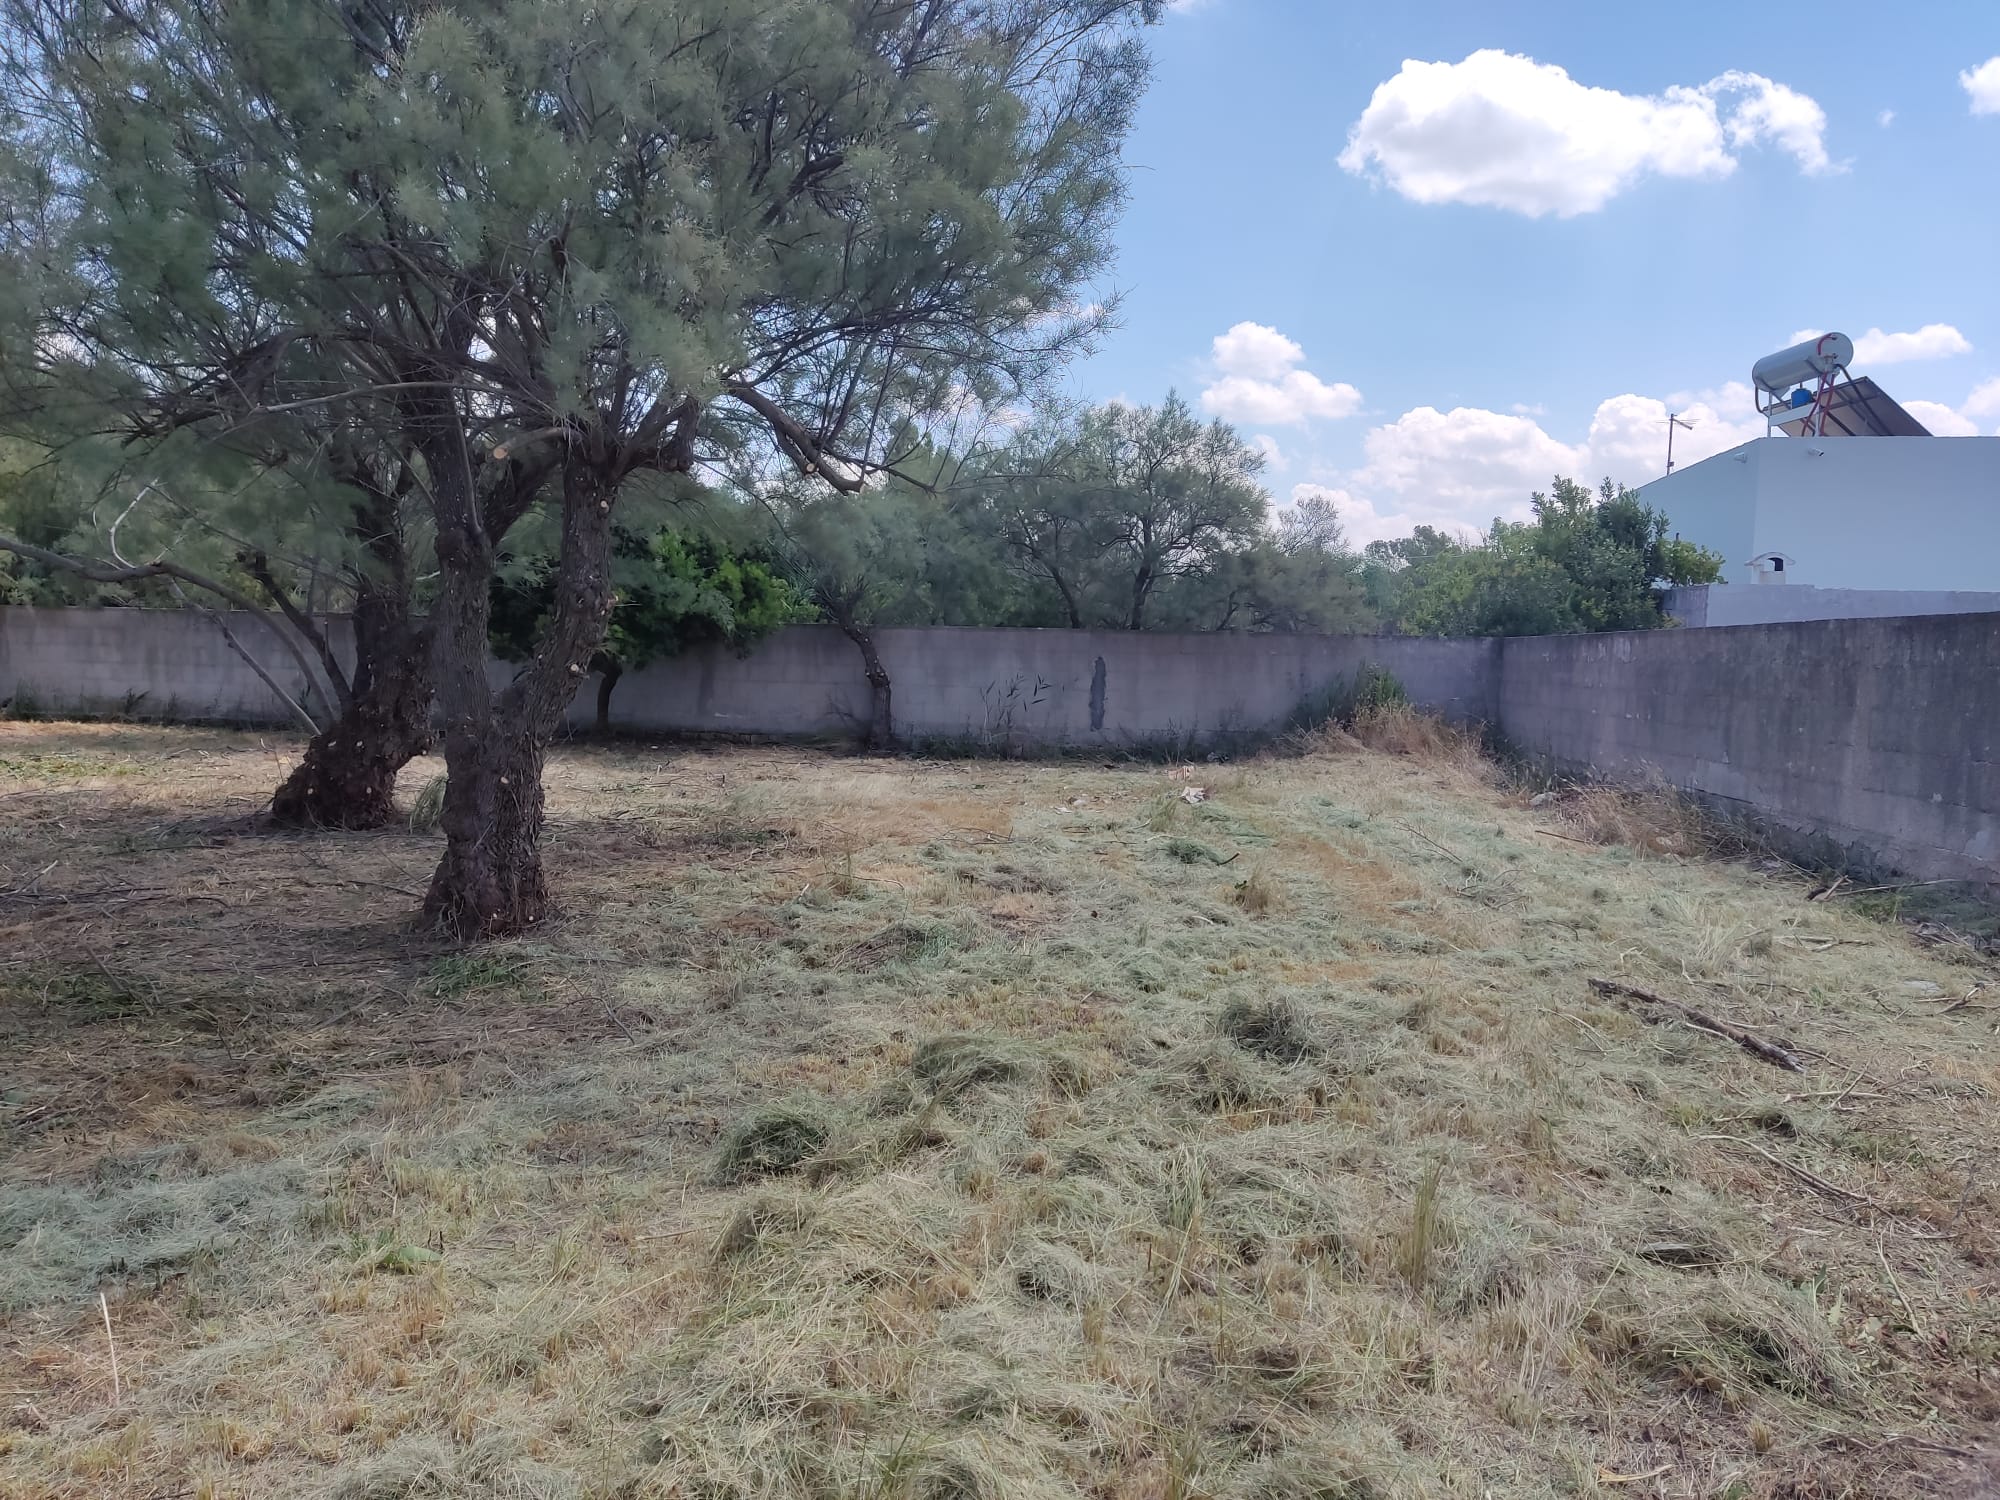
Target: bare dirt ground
948, 1130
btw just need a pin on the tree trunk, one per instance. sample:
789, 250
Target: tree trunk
1142, 587
490, 882
609, 671
1069, 601
348, 776
881, 723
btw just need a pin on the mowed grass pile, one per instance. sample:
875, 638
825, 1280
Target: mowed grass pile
966, 1131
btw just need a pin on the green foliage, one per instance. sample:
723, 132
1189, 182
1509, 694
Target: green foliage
1587, 562
675, 591
818, 220
895, 554
775, 1139
1107, 507
1147, 518
1344, 700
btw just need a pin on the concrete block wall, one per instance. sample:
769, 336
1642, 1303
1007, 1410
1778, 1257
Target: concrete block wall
1881, 736
155, 663
1017, 690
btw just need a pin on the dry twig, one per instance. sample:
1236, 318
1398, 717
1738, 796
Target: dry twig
1756, 1046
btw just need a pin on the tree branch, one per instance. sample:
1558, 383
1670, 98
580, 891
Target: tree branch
229, 639
802, 447
259, 568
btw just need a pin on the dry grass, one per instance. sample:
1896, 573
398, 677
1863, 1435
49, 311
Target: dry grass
971, 1130
1654, 818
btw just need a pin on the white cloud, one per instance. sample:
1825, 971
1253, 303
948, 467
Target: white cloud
1298, 396
1983, 404
1969, 418
1932, 341
1941, 419
1886, 118
1267, 445
1508, 132
1256, 350
1260, 382
1628, 434
1983, 85
1467, 464
1459, 469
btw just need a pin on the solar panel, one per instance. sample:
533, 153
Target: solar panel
1860, 408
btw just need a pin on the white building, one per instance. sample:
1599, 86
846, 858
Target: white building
1855, 496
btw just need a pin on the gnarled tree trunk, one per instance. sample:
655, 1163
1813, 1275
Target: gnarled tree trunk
348, 776
490, 881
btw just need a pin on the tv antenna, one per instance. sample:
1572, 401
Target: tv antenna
1675, 419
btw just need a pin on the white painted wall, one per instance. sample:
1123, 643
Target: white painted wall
1735, 604
1849, 513
1713, 503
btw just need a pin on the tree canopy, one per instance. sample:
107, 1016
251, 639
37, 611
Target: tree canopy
1587, 562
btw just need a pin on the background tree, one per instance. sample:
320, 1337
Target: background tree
1587, 562
1293, 573
207, 528
566, 242
862, 561
1110, 504
675, 591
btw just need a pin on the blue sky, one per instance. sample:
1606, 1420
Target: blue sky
1451, 270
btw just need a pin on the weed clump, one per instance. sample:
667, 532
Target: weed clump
1399, 729
428, 810
1192, 852
1731, 1338
1274, 1029
1256, 893
1654, 817
1220, 1080
899, 942
1420, 1238
1336, 706
758, 1222
776, 1139
953, 1064
455, 974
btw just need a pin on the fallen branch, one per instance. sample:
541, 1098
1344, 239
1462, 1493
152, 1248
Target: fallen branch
1870, 890
1811, 1179
1568, 838
1756, 1046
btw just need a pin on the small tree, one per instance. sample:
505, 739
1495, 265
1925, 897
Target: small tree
675, 592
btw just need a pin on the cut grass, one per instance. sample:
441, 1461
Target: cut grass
935, 1130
